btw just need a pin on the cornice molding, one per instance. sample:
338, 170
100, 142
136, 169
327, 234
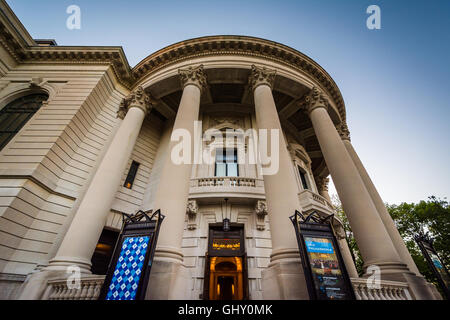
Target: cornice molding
244, 46
13, 39
25, 53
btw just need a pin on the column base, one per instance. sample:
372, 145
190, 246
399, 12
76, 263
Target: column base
169, 279
284, 278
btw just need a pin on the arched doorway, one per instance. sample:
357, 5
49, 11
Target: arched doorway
226, 265
226, 278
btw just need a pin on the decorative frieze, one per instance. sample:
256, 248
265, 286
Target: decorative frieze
138, 98
315, 99
261, 212
261, 76
195, 76
191, 211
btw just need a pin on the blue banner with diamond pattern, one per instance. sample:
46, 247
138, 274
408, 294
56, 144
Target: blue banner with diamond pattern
129, 267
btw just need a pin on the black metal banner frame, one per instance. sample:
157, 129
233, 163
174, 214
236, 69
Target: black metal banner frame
315, 226
425, 244
139, 224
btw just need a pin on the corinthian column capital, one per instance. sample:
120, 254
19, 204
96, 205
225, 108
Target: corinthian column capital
195, 76
315, 99
343, 131
260, 76
139, 99
322, 183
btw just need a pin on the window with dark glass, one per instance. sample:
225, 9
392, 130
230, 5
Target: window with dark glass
104, 251
16, 114
131, 175
226, 163
303, 178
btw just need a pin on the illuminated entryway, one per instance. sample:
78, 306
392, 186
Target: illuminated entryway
226, 264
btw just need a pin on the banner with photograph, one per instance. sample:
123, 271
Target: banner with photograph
326, 271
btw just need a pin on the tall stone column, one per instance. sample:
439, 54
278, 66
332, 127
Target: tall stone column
169, 278
373, 241
417, 282
284, 278
82, 236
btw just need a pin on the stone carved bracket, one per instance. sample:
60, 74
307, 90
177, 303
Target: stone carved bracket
343, 131
138, 98
191, 211
261, 212
315, 99
195, 76
261, 76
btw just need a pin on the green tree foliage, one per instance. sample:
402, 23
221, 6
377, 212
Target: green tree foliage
432, 216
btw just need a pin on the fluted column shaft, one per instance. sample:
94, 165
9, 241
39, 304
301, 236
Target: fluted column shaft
173, 189
82, 236
373, 241
395, 236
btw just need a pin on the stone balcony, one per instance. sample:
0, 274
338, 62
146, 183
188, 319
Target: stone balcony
221, 187
310, 201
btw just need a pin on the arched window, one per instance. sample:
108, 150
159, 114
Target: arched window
16, 114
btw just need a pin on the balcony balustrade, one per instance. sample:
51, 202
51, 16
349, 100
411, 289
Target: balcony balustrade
227, 186
90, 287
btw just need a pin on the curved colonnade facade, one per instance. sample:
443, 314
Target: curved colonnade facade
99, 144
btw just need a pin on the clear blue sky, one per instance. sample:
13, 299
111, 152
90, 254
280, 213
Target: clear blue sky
395, 81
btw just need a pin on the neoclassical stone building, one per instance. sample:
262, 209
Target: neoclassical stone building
84, 138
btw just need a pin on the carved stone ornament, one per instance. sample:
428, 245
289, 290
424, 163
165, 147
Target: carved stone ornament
343, 131
260, 76
261, 212
138, 98
315, 99
195, 76
322, 183
339, 230
191, 211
